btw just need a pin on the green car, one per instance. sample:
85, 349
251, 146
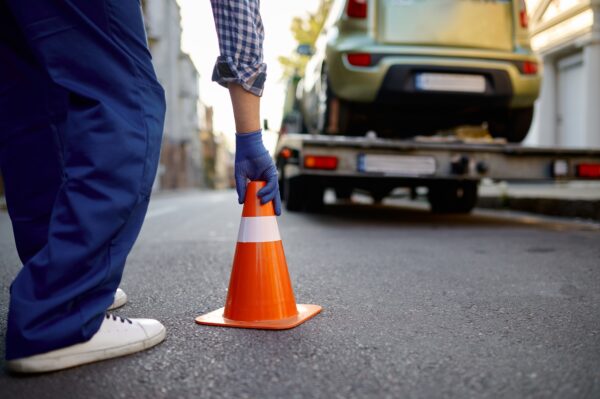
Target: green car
404, 68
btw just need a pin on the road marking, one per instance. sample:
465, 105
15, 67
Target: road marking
161, 211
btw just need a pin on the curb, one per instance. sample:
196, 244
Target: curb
584, 209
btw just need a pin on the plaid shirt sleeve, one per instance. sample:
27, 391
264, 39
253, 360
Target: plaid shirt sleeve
241, 34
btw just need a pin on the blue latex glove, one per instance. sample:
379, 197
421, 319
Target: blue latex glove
252, 161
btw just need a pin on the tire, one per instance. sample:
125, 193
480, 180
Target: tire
513, 125
453, 197
324, 105
314, 197
328, 103
293, 195
343, 193
299, 195
379, 195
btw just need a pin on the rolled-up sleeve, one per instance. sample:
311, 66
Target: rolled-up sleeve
241, 34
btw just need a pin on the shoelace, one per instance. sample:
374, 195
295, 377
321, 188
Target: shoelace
114, 317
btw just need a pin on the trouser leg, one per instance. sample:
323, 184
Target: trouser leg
31, 109
94, 50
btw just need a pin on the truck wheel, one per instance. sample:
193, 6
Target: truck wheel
379, 195
453, 197
293, 195
513, 125
343, 193
314, 197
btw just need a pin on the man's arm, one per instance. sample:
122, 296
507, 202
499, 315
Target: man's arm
241, 69
246, 109
241, 34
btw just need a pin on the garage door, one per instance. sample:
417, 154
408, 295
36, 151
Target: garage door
570, 102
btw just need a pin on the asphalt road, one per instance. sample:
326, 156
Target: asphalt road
490, 305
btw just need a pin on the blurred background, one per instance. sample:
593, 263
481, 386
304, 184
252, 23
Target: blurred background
199, 130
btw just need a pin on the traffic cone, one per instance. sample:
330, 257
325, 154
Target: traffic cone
260, 292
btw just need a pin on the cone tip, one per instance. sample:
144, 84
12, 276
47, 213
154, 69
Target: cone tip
252, 205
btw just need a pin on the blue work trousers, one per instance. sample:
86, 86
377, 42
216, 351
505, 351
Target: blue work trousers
81, 121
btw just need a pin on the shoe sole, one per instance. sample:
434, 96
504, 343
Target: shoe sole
64, 362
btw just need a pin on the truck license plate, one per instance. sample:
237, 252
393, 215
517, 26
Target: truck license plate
398, 165
450, 82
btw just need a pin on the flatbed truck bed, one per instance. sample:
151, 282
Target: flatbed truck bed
450, 167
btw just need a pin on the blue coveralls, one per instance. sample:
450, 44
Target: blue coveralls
81, 120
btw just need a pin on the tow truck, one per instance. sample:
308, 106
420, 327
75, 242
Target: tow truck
450, 167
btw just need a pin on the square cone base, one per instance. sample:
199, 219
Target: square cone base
216, 318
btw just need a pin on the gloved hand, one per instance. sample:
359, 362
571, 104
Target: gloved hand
252, 161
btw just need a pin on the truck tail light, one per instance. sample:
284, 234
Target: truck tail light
285, 153
357, 9
359, 59
523, 17
588, 170
320, 162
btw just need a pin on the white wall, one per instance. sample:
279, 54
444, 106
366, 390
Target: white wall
563, 38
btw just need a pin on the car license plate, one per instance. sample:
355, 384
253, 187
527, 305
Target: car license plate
399, 165
450, 82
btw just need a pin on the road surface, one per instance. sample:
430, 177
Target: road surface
490, 305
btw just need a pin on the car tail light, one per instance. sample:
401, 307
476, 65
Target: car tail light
320, 162
359, 59
357, 9
530, 68
523, 18
588, 170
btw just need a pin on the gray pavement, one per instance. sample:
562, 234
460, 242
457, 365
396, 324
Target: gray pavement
490, 305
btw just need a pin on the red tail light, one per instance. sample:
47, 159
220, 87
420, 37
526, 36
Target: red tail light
359, 59
320, 162
357, 9
523, 18
286, 153
588, 170
530, 68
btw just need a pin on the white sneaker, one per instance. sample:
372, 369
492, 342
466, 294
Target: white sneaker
120, 299
116, 337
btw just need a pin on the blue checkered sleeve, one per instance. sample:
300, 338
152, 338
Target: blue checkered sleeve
241, 34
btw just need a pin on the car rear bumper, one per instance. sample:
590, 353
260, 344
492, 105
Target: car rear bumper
391, 79
399, 88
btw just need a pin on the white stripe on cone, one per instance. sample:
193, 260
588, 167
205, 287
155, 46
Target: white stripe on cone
259, 229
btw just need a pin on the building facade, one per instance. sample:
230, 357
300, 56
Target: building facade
217, 156
181, 155
566, 35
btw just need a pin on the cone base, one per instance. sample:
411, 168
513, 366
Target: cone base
216, 318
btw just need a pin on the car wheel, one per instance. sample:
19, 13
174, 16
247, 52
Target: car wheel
513, 125
323, 106
333, 114
453, 197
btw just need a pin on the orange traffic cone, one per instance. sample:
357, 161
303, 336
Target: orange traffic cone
260, 293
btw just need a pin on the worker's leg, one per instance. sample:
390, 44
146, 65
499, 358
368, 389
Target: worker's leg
95, 51
31, 108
